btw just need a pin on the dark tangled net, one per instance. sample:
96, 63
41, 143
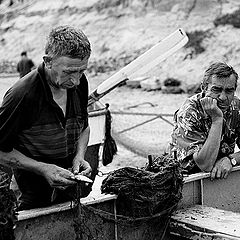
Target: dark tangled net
146, 199
148, 191
7, 208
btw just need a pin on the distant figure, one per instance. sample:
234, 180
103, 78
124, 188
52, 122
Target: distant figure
25, 65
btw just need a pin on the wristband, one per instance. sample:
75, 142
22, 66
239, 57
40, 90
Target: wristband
232, 160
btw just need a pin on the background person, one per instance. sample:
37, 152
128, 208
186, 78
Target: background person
25, 65
207, 125
44, 121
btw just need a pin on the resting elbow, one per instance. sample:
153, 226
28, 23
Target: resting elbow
204, 166
207, 169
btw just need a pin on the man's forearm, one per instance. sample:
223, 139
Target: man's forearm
17, 160
83, 143
206, 157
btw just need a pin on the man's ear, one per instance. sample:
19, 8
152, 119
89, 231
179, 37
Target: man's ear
48, 61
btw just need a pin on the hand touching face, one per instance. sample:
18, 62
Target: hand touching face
211, 108
223, 90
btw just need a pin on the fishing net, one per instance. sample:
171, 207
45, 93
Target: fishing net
144, 192
146, 199
8, 203
95, 222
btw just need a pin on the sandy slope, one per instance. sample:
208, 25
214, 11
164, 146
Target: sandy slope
123, 32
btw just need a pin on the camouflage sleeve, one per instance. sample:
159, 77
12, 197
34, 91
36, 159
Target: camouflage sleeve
190, 131
236, 104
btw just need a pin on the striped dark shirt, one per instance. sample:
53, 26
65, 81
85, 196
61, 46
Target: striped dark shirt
32, 123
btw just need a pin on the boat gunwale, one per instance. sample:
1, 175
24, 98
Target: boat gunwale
37, 212
97, 112
202, 175
33, 213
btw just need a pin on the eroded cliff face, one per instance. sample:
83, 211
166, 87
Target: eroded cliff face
120, 31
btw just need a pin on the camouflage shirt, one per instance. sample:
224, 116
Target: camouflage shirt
191, 129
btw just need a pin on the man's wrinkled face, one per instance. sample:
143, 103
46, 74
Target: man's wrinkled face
66, 72
223, 90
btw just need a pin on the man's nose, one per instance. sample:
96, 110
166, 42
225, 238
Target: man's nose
75, 78
223, 95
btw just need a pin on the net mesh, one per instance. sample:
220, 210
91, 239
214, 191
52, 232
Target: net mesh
146, 199
8, 204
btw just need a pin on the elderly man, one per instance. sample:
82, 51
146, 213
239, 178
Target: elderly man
44, 121
207, 125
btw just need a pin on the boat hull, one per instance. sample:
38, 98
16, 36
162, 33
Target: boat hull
219, 193
62, 221
57, 222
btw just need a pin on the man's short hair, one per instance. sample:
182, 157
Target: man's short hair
220, 70
67, 41
24, 53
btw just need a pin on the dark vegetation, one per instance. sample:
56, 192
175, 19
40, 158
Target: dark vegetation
195, 41
229, 19
196, 38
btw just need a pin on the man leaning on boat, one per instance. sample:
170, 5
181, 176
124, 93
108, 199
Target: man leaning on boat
44, 122
207, 125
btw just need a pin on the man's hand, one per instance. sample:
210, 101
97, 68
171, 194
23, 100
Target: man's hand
57, 177
81, 166
221, 169
209, 105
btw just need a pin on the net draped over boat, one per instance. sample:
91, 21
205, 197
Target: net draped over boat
146, 196
8, 203
148, 191
146, 199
